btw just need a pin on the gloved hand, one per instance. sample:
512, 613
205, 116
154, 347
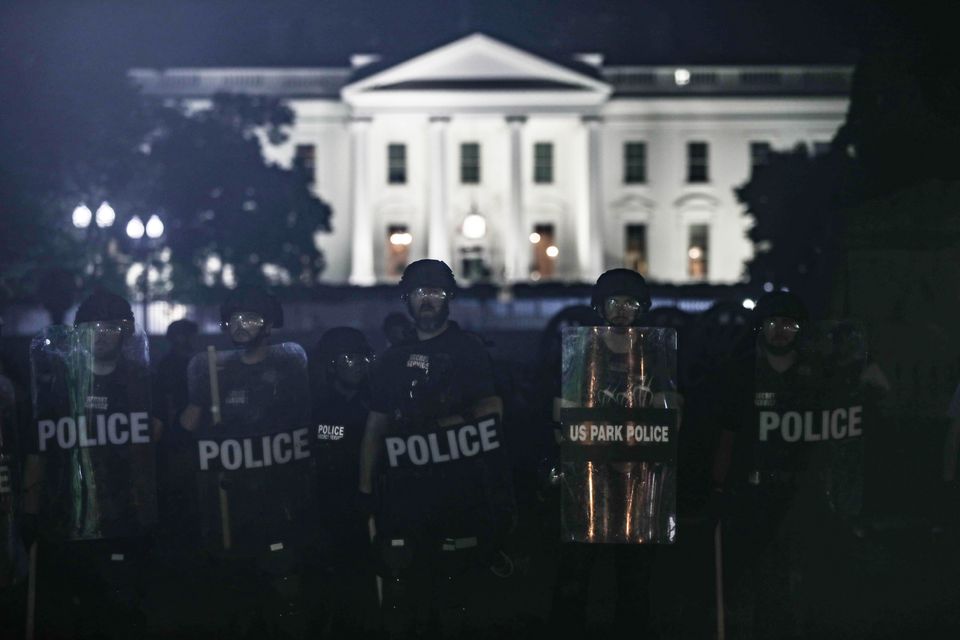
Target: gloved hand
29, 529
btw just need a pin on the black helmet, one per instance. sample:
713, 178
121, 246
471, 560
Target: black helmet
620, 282
779, 304
103, 305
342, 340
253, 299
182, 327
428, 273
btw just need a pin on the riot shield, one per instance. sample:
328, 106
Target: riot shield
853, 385
619, 442
92, 432
254, 468
11, 551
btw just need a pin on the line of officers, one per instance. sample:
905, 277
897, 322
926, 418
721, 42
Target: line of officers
251, 493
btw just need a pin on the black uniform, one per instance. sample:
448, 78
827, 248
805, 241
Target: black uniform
98, 502
441, 513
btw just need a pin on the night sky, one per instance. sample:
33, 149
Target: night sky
301, 32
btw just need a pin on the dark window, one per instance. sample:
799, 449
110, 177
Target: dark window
697, 250
543, 163
821, 148
635, 162
396, 163
635, 254
759, 154
470, 163
698, 169
305, 160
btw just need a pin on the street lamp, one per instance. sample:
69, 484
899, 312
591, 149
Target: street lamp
144, 237
82, 216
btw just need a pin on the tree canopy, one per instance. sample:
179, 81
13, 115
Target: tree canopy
79, 132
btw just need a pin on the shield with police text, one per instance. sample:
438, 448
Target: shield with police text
92, 436
255, 472
620, 421
11, 551
853, 387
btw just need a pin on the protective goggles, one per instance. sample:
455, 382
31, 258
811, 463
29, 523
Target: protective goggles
246, 320
613, 305
109, 327
353, 359
781, 324
429, 293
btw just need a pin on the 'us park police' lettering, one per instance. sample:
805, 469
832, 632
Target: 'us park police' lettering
464, 441
806, 426
254, 453
103, 430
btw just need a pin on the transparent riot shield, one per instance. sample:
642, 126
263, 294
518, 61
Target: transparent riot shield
620, 421
254, 466
92, 433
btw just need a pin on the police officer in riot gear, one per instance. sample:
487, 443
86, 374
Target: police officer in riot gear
90, 480
434, 433
757, 472
249, 414
340, 388
620, 299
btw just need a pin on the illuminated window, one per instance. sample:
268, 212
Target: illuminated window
759, 154
697, 251
470, 163
543, 163
545, 252
635, 162
396, 163
305, 160
635, 253
398, 249
698, 169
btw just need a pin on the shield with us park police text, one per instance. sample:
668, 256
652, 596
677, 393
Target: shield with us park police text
620, 425
92, 466
254, 466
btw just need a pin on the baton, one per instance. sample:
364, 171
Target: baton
215, 418
31, 593
372, 530
718, 563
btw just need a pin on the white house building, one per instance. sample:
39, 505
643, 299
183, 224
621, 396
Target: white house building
513, 166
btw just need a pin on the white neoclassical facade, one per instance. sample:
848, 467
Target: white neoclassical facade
515, 167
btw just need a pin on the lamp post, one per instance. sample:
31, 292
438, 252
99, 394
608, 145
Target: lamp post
94, 225
144, 237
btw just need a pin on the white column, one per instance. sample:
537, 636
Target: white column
361, 254
590, 227
438, 214
514, 231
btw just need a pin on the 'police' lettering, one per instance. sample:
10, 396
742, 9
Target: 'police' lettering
796, 426
116, 429
253, 453
464, 441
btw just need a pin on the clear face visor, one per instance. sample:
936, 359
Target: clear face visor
353, 360
249, 321
621, 309
779, 331
435, 294
108, 327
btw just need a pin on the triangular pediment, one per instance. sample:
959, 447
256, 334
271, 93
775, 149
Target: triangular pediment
477, 63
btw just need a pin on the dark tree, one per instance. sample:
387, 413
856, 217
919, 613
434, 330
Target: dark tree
795, 200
